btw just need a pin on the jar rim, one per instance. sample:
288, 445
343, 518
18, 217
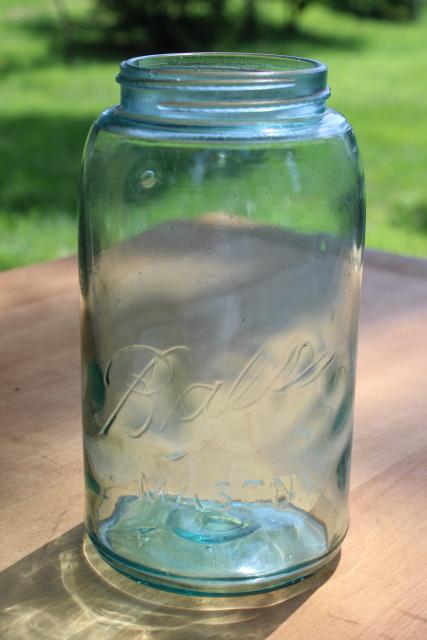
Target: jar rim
218, 68
222, 89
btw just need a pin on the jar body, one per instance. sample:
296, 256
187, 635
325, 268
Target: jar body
220, 289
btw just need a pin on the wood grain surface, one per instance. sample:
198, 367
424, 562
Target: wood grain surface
378, 589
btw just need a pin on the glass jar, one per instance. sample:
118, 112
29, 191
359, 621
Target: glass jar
221, 233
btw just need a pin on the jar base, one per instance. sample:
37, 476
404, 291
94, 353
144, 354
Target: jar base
194, 587
249, 548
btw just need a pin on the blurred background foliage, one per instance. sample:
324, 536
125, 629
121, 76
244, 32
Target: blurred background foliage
58, 60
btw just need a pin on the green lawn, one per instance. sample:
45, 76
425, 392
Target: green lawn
377, 74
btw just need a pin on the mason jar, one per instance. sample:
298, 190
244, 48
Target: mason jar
221, 233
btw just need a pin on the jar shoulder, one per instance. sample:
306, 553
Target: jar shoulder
330, 124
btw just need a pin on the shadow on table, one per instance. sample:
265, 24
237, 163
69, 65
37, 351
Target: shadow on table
64, 590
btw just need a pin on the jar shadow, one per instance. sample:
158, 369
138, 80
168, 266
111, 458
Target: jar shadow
65, 590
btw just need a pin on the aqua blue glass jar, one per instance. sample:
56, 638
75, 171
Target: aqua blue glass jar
221, 233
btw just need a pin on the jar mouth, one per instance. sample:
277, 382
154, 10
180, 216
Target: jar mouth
217, 69
222, 88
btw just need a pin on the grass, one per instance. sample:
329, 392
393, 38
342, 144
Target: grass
377, 76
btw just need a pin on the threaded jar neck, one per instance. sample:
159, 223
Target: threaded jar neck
222, 88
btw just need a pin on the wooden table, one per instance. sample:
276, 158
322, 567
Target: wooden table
47, 589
